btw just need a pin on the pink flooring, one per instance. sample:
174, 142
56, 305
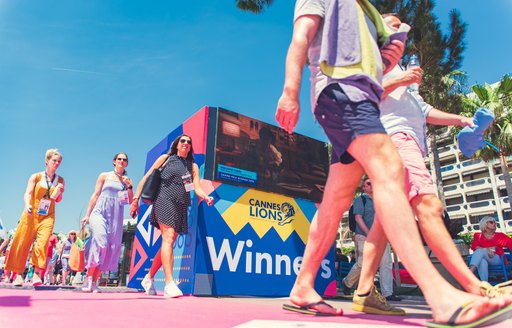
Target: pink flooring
26, 308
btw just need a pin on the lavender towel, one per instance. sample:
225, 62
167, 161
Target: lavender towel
341, 36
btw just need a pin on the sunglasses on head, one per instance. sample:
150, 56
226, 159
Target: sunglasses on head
185, 140
122, 159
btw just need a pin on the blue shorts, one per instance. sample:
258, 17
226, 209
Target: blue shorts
344, 120
64, 262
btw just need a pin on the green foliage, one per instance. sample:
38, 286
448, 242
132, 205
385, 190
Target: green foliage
347, 250
498, 99
440, 54
254, 6
467, 237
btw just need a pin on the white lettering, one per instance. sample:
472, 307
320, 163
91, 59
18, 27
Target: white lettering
282, 261
259, 259
286, 260
225, 251
326, 273
296, 264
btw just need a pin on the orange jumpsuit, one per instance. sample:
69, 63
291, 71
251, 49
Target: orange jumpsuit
35, 226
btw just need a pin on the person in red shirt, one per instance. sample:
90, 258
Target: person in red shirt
488, 247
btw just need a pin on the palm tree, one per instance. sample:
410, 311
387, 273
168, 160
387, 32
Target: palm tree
498, 99
255, 6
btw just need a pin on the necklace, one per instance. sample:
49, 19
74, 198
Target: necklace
118, 175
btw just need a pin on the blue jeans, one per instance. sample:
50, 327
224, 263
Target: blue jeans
481, 260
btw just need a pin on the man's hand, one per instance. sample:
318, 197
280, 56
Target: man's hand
287, 113
412, 75
392, 54
466, 121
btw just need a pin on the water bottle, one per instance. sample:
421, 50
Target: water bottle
413, 62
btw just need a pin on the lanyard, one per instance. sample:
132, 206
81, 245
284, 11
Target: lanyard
119, 176
48, 184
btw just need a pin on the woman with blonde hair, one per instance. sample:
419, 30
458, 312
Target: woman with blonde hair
488, 247
44, 189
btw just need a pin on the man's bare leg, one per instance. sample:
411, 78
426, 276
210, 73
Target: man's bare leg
428, 209
338, 194
379, 158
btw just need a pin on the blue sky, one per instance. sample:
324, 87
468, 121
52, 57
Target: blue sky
96, 77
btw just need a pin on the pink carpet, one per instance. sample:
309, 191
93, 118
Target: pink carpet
26, 308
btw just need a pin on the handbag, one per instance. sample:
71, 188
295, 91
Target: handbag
152, 185
76, 261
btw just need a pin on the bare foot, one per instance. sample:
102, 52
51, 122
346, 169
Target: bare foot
474, 308
305, 296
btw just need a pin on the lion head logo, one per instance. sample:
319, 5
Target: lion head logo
288, 212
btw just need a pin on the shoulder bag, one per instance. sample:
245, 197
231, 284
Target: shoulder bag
152, 185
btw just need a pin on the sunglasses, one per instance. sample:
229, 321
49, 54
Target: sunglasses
491, 222
185, 140
72, 234
368, 183
122, 159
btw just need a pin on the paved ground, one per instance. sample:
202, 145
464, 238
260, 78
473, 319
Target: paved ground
121, 307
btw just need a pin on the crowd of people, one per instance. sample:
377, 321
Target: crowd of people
49, 258
375, 123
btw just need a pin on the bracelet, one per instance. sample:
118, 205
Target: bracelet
130, 187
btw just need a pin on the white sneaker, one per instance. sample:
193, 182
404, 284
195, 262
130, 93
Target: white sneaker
148, 284
18, 281
36, 280
94, 287
87, 285
172, 291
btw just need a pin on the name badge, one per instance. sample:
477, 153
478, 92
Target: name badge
123, 197
44, 207
187, 182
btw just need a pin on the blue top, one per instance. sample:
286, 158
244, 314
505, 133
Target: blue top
367, 211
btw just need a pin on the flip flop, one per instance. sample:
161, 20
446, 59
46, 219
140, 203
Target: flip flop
308, 309
489, 319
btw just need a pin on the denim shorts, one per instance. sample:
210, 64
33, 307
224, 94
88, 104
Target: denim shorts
344, 120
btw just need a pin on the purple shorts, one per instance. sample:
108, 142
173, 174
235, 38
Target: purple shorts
344, 120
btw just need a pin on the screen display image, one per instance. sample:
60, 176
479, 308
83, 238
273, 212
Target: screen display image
252, 153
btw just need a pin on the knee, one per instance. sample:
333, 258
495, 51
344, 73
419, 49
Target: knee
99, 238
169, 237
429, 211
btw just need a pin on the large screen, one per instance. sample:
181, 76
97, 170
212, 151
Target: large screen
252, 153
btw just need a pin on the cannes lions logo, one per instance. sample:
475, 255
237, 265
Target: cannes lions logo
288, 211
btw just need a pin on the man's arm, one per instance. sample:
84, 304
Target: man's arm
359, 206
406, 78
361, 224
288, 108
438, 117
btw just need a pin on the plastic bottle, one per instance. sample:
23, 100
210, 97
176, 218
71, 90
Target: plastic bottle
413, 62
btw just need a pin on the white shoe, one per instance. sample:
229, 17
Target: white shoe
172, 291
148, 284
87, 285
36, 280
18, 281
94, 287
